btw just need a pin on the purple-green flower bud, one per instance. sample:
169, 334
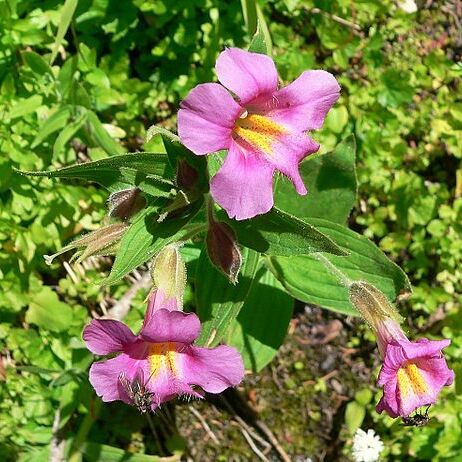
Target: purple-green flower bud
186, 176
223, 249
124, 204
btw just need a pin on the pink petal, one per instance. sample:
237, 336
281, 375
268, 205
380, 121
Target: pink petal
425, 347
248, 75
390, 399
171, 326
105, 336
213, 369
288, 151
166, 387
244, 184
304, 103
434, 373
157, 301
104, 377
206, 118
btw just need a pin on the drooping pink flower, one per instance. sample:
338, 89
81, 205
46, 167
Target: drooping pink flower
413, 373
160, 362
263, 129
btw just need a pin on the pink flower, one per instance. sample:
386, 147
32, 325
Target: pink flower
160, 362
413, 373
263, 130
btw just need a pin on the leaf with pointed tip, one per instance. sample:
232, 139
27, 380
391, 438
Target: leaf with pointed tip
310, 280
109, 172
278, 233
147, 236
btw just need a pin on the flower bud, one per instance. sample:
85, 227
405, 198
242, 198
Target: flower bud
186, 176
168, 274
103, 241
124, 204
223, 249
373, 305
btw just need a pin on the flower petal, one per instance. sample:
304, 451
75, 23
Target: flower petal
105, 336
244, 184
246, 74
304, 103
171, 326
288, 151
213, 369
104, 377
425, 347
156, 302
206, 118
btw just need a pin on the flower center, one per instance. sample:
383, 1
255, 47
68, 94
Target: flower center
161, 356
258, 131
410, 380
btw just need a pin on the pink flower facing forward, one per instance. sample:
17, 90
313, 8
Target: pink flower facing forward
263, 131
160, 362
413, 373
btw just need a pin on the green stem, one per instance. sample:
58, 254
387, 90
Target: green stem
75, 451
155, 435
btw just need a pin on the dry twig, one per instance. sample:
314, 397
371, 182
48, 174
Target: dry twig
204, 424
253, 446
122, 307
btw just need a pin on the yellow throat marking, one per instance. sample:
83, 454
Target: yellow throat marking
160, 356
411, 380
259, 131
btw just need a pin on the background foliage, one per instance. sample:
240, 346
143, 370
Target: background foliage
89, 90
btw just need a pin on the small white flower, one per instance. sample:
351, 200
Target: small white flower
366, 446
408, 6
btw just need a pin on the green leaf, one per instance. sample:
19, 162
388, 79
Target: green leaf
278, 233
155, 130
331, 182
101, 137
308, 278
249, 11
95, 452
66, 17
113, 172
218, 301
55, 122
48, 312
36, 63
262, 323
25, 106
354, 416
78, 120
261, 40
150, 184
147, 236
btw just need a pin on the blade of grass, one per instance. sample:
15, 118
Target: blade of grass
66, 17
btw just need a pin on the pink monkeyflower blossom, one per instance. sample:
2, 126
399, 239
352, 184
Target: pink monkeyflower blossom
262, 127
413, 373
160, 362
